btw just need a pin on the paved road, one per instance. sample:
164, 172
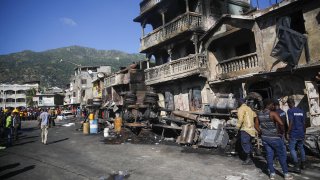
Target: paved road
72, 155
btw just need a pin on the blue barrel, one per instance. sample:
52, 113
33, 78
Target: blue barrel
94, 126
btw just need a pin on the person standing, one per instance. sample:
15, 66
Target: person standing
296, 132
272, 140
283, 117
247, 131
15, 124
8, 129
44, 119
2, 127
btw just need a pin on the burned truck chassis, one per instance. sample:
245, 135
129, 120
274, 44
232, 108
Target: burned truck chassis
201, 129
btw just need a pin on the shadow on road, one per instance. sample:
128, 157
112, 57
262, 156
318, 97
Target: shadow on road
9, 166
19, 144
29, 129
28, 137
13, 173
58, 141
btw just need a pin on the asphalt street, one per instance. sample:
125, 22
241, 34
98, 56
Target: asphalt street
71, 155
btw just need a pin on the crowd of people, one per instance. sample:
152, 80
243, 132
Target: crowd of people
275, 129
10, 121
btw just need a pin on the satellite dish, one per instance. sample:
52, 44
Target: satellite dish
90, 72
100, 75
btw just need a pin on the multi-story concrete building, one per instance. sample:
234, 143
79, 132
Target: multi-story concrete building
14, 95
209, 53
179, 74
46, 100
274, 52
80, 90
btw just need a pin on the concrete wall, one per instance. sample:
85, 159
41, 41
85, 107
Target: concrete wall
267, 27
180, 91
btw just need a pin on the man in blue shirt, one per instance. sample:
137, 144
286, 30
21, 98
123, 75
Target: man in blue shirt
296, 133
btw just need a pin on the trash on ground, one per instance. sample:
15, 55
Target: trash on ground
68, 125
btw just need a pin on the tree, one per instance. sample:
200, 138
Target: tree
30, 93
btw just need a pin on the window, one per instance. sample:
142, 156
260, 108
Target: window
195, 98
83, 93
83, 81
242, 49
10, 100
215, 8
169, 100
297, 22
20, 92
21, 100
74, 94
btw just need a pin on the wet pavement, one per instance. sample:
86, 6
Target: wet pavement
133, 155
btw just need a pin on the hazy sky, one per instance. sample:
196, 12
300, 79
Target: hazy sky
40, 25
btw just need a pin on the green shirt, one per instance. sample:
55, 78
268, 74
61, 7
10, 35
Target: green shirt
8, 122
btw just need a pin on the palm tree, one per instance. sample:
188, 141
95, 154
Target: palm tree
30, 93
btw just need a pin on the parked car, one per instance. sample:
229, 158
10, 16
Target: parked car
65, 115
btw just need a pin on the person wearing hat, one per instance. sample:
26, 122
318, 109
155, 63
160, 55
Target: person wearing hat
245, 125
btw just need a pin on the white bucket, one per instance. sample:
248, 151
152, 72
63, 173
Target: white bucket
106, 132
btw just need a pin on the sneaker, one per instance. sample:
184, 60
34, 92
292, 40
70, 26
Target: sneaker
247, 162
288, 176
272, 176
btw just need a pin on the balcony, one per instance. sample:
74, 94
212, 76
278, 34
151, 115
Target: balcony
147, 4
117, 79
20, 96
182, 23
240, 65
183, 67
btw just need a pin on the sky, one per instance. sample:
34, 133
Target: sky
40, 25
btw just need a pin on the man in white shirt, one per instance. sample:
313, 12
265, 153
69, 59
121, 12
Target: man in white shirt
44, 118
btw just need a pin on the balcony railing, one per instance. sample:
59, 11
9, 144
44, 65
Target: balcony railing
176, 69
180, 24
118, 79
147, 4
239, 64
111, 80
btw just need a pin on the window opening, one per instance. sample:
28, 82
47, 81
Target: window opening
195, 99
242, 49
297, 22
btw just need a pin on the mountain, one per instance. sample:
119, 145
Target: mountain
46, 67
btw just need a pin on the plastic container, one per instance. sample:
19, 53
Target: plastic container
117, 124
94, 126
106, 132
86, 128
91, 116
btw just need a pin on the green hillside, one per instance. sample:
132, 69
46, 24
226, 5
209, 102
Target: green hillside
46, 66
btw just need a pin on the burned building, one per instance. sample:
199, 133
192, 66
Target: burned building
205, 54
273, 52
173, 47
124, 87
